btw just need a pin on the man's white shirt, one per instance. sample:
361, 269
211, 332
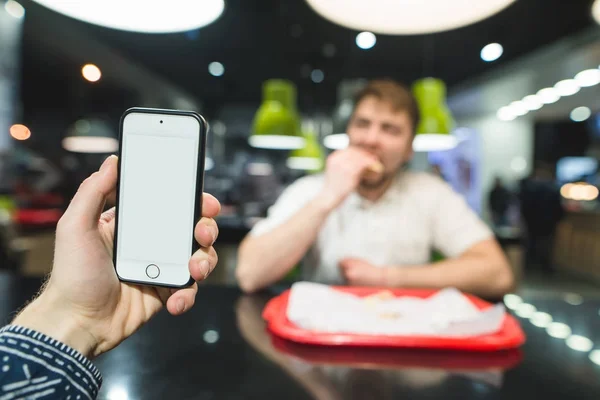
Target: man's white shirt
419, 212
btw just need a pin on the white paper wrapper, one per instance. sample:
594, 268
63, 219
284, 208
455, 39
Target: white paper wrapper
448, 313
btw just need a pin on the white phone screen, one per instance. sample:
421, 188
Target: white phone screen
157, 197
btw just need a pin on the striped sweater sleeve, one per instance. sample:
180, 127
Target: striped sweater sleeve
35, 366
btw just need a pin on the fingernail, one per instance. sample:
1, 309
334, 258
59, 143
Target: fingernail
106, 162
180, 305
205, 268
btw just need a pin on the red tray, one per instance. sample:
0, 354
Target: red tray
383, 358
510, 335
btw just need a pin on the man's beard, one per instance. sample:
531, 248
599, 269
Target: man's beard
371, 184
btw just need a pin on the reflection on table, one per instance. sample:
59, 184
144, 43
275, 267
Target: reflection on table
221, 350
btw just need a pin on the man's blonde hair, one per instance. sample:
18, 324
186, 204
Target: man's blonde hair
394, 93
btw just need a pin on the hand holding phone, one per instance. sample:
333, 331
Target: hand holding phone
83, 304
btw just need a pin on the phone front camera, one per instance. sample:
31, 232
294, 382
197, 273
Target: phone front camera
161, 121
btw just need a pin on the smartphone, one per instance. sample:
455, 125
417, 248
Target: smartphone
159, 195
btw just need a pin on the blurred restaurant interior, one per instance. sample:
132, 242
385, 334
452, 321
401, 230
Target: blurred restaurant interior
517, 98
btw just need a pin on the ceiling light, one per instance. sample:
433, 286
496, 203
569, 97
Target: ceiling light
215, 68
91, 72
337, 141
518, 165
276, 124
259, 168
276, 142
366, 40
525, 310
433, 142
211, 336
580, 191
512, 300
141, 15
573, 299
90, 144
317, 76
548, 95
406, 17
589, 77
506, 114
580, 343
310, 157
595, 357
567, 87
518, 108
304, 163
14, 9
492, 52
596, 11
91, 136
434, 131
580, 114
20, 132
533, 102
558, 330
541, 319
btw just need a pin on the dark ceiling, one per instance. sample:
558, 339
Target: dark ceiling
261, 39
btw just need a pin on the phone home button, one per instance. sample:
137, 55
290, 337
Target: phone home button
152, 271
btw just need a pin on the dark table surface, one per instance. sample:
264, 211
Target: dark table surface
220, 350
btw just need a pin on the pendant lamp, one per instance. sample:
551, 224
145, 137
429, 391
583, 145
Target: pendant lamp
91, 136
276, 123
406, 17
434, 129
309, 158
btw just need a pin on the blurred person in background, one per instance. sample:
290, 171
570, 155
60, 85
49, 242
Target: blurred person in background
541, 211
499, 203
367, 221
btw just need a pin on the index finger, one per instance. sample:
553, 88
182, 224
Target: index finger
210, 206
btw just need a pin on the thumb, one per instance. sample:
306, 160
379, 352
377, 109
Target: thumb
91, 196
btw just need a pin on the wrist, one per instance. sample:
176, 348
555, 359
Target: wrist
46, 316
384, 277
391, 276
327, 201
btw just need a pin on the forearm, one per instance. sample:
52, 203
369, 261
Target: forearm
485, 275
35, 365
265, 259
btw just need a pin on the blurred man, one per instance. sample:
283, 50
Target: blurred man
499, 202
367, 221
541, 210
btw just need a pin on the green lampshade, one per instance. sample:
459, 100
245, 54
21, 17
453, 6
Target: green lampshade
435, 126
308, 158
276, 123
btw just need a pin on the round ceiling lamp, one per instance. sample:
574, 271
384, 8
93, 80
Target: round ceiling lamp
406, 17
141, 15
596, 11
